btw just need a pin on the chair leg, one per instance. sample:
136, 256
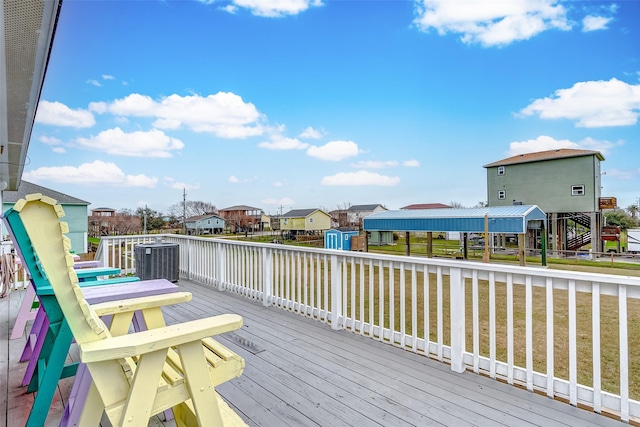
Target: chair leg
32, 336
91, 411
24, 313
199, 384
77, 397
42, 335
50, 377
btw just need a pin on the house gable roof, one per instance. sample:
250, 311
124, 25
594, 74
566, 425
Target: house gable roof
426, 206
299, 213
239, 208
364, 208
201, 217
26, 188
540, 156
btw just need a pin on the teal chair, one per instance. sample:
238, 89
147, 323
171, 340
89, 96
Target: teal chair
50, 364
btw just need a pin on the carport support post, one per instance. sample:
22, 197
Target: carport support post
521, 251
408, 242
465, 246
485, 256
543, 243
429, 244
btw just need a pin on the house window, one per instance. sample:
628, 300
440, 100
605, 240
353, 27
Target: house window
310, 220
285, 221
577, 190
502, 194
501, 170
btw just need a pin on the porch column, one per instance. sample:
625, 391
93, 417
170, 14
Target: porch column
429, 244
596, 240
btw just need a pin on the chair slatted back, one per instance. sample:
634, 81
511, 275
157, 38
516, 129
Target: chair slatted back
39, 234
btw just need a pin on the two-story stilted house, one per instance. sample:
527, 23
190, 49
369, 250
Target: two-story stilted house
564, 183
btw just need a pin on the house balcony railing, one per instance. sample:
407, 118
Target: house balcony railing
570, 335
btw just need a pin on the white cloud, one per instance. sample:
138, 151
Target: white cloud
59, 150
176, 185
360, 178
279, 142
224, 114
230, 9
593, 23
334, 150
545, 143
593, 104
153, 143
622, 174
107, 77
285, 201
270, 8
97, 172
491, 23
413, 163
278, 184
58, 114
311, 133
94, 83
50, 140
375, 164
235, 180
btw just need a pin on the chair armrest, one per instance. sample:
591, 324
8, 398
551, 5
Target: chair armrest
140, 303
157, 339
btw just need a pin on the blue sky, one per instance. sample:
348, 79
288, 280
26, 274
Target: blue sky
284, 104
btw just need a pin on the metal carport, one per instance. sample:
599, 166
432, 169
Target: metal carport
515, 219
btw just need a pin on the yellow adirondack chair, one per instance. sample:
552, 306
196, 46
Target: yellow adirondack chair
135, 376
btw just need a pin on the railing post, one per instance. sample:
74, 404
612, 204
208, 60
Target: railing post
267, 276
221, 266
456, 292
188, 263
106, 248
336, 292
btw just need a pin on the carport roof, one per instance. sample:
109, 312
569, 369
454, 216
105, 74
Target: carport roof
502, 219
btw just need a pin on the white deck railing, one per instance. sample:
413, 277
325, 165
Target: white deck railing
570, 335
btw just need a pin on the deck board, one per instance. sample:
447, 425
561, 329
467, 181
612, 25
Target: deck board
310, 375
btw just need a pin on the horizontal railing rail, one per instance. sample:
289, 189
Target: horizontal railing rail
567, 334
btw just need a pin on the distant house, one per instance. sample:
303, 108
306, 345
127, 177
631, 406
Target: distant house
419, 206
564, 183
305, 221
244, 218
204, 224
75, 211
108, 222
352, 217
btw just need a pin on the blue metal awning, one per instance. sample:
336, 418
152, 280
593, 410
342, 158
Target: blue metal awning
502, 219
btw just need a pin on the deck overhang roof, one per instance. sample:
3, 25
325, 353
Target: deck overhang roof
501, 219
26, 36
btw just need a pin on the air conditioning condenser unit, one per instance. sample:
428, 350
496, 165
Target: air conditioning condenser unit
158, 261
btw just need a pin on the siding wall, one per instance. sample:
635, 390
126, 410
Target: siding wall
77, 218
548, 184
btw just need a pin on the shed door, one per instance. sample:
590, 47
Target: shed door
332, 242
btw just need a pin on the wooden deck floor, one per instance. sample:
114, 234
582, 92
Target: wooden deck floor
299, 372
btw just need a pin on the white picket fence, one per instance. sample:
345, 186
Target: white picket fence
570, 335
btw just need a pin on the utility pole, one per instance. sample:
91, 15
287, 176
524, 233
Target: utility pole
145, 219
184, 211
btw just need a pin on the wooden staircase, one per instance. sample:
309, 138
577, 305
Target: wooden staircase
582, 239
